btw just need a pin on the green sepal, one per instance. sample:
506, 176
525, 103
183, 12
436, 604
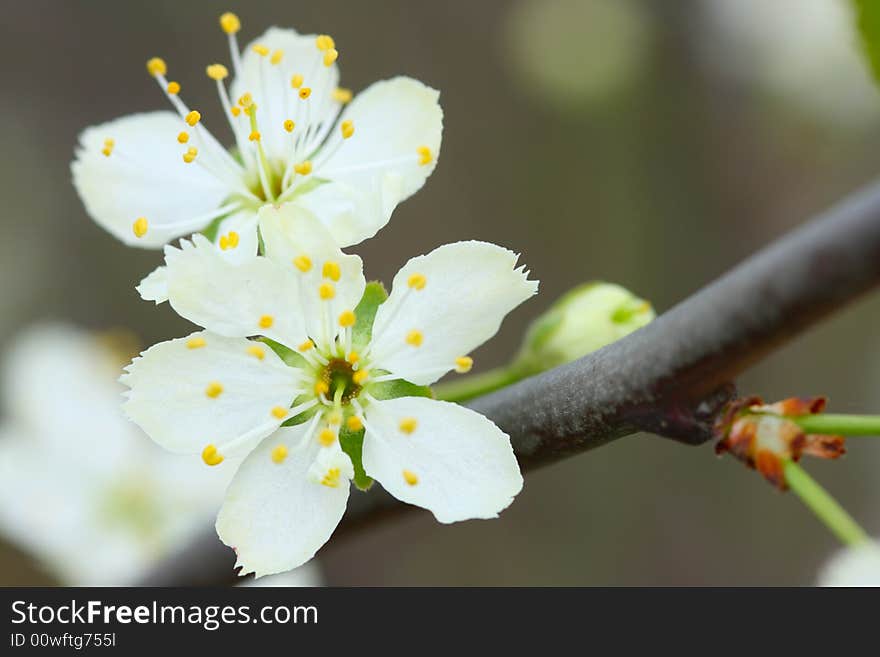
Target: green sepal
362, 331
352, 443
289, 356
398, 388
213, 228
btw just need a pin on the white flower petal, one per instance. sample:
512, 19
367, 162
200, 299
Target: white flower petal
853, 566
269, 84
455, 462
244, 243
378, 166
175, 398
469, 288
291, 233
144, 176
254, 297
154, 287
307, 575
274, 516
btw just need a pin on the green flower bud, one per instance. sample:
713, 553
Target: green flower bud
584, 319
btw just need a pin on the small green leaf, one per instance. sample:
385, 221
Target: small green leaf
289, 356
352, 443
398, 388
365, 313
868, 24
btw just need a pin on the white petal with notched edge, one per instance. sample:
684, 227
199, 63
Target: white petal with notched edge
378, 166
269, 84
169, 393
255, 297
144, 176
274, 516
469, 288
290, 233
455, 462
154, 286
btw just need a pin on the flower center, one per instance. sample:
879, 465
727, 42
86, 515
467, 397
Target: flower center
338, 375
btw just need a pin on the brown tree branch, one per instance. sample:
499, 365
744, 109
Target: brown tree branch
669, 378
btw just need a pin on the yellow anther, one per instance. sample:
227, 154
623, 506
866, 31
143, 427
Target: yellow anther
214, 389
246, 99
331, 270
346, 319
190, 154
257, 351
303, 263
289, 125
280, 412
326, 291
306, 346
182, 137
408, 424
325, 42
296, 81
331, 479
342, 95
410, 477
330, 56
217, 72
196, 343
279, 453
156, 66
260, 49
139, 227
463, 364
229, 241
211, 456
425, 155
354, 423
321, 388
173, 88
327, 437
347, 129
417, 281
305, 92
303, 168
193, 118
266, 321
360, 376
353, 357
414, 338
229, 23
236, 110
276, 57
108, 146
254, 136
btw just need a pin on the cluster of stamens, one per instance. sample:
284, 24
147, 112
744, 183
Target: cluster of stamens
259, 177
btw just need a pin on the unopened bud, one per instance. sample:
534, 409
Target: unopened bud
586, 318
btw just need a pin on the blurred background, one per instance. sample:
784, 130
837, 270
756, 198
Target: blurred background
653, 144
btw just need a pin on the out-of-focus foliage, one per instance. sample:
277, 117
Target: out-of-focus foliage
868, 21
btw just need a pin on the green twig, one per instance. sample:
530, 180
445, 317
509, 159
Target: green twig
826, 508
847, 425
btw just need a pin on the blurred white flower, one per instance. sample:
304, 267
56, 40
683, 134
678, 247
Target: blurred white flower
81, 488
574, 53
333, 374
805, 53
151, 178
853, 566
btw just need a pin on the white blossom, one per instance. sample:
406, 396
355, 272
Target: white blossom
220, 394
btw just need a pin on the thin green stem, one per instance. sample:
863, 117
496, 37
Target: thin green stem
847, 425
826, 508
468, 387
